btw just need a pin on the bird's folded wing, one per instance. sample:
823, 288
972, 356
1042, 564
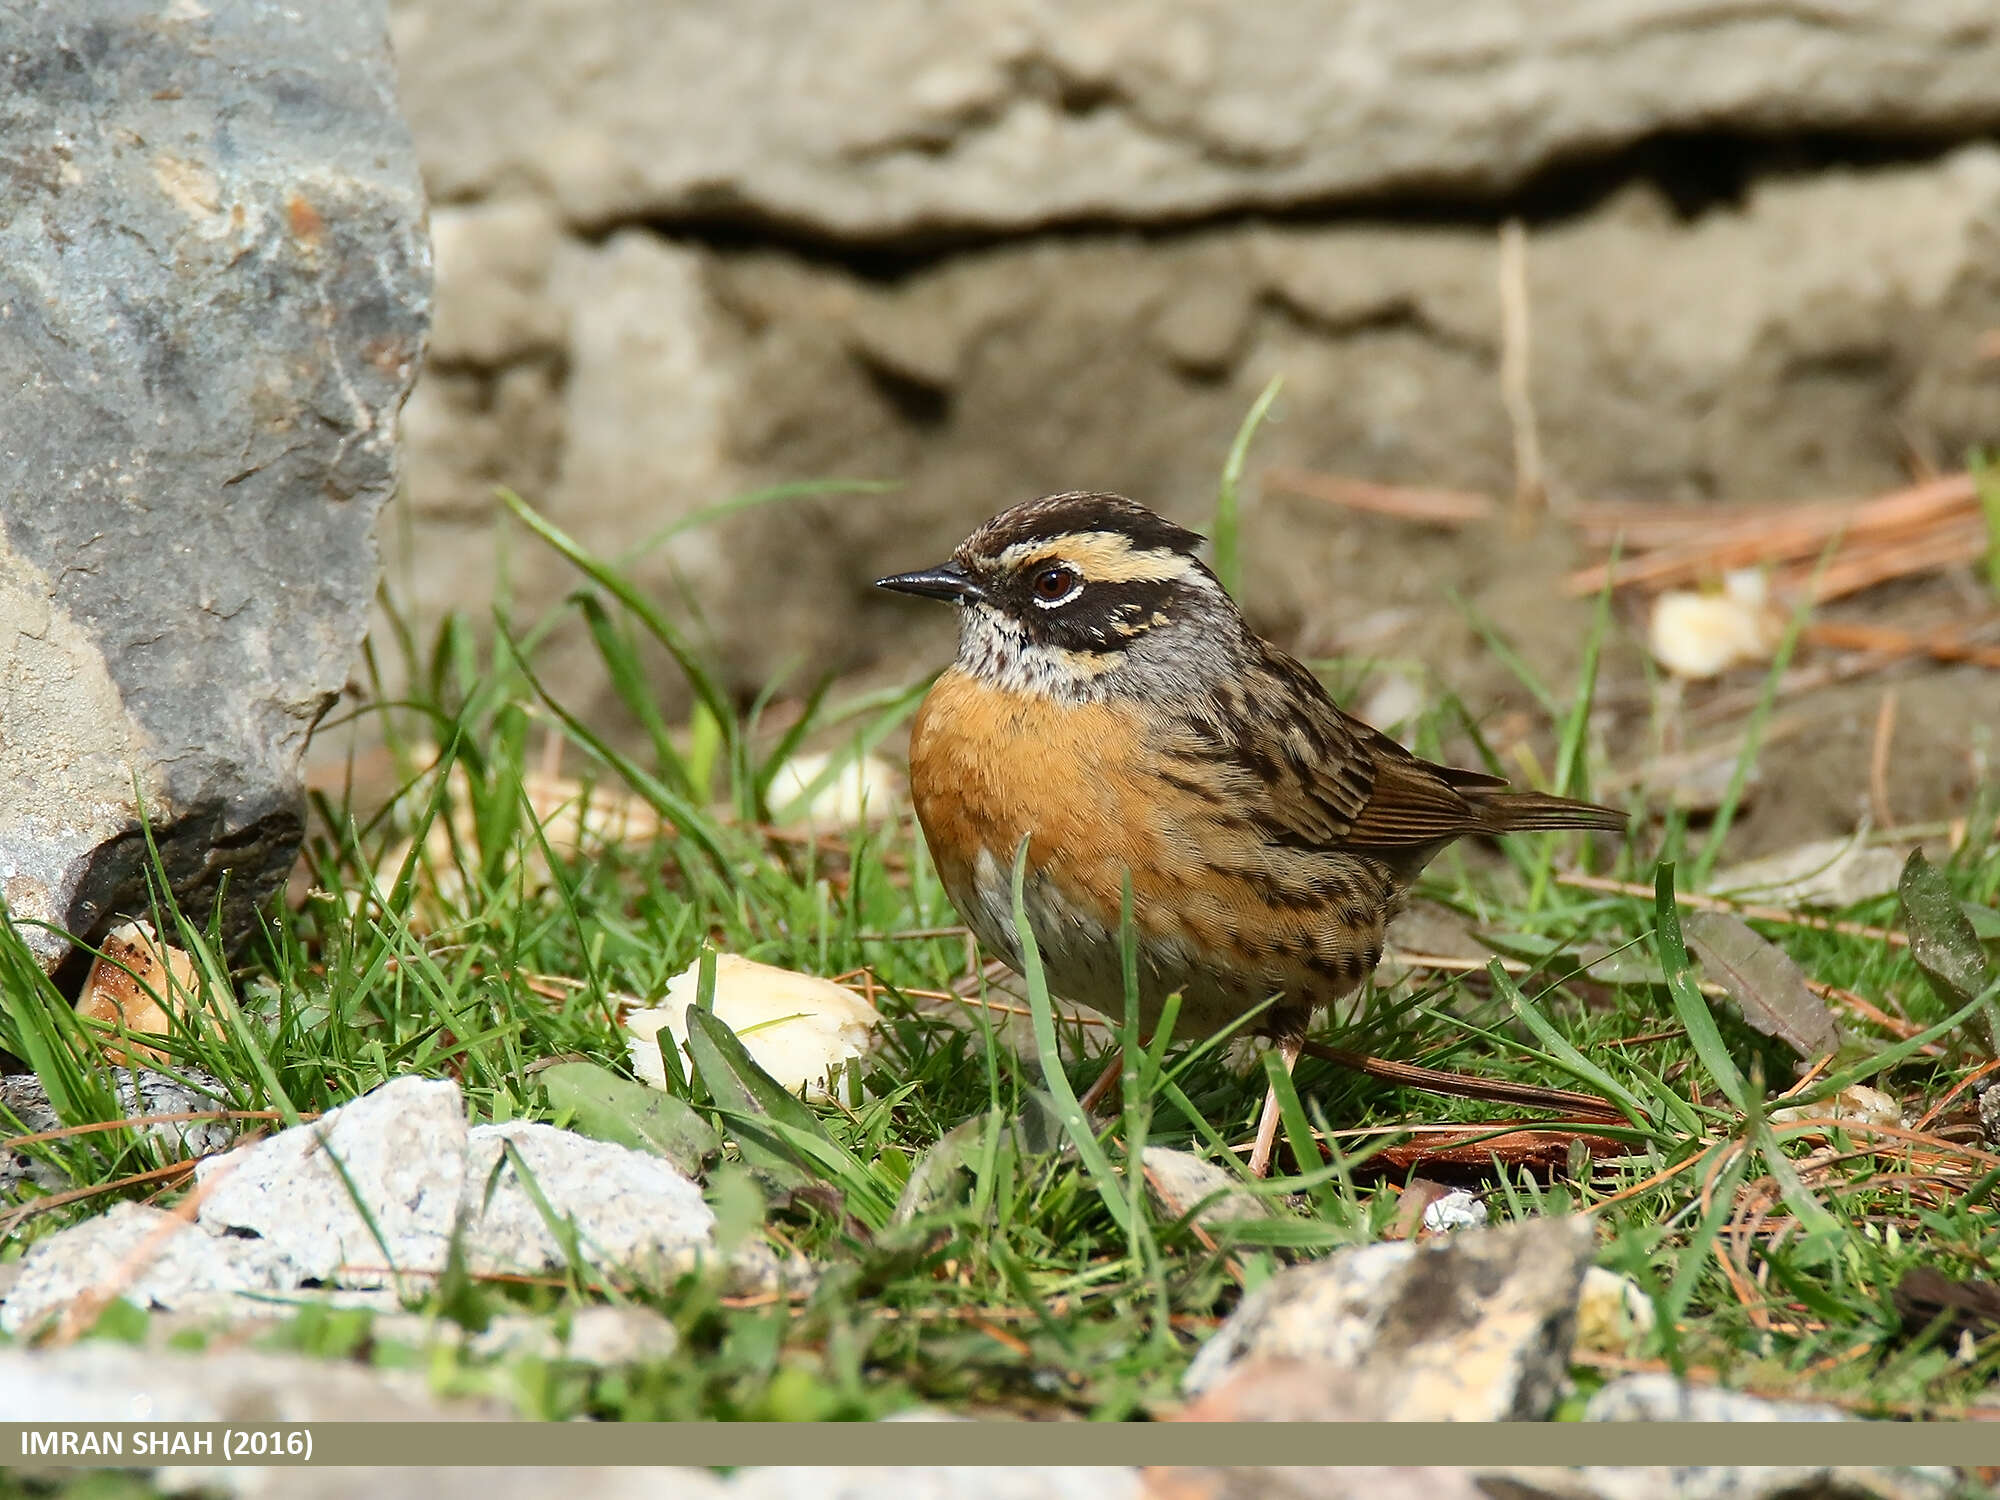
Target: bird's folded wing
1320, 777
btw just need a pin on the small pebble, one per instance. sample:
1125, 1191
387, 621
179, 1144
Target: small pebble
1457, 1209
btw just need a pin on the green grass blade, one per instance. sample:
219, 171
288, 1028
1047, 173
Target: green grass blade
1508, 657
1074, 1122
1986, 481
1292, 1115
627, 1113
688, 820
1564, 1054
752, 1098
1822, 1230
1693, 1258
1225, 533
629, 680
1689, 1003
1571, 778
621, 588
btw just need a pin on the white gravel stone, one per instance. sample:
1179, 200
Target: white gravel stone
402, 1149
1457, 1209
629, 1207
280, 1226
182, 1267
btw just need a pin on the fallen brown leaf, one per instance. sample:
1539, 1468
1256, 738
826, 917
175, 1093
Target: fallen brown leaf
1769, 989
130, 983
1479, 1148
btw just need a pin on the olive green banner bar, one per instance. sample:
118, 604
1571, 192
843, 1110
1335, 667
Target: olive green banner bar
760, 1444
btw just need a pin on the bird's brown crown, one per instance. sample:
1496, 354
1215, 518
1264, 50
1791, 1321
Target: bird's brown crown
1074, 515
1088, 573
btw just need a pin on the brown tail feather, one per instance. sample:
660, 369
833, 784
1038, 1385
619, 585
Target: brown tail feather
1520, 812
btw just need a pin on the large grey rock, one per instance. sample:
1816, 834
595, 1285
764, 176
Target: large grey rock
1474, 1328
214, 287
1794, 346
859, 122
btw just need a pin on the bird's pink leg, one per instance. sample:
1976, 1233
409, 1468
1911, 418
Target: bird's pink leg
1267, 1123
1105, 1081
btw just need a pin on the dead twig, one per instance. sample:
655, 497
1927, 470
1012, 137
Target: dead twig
1858, 566
1523, 1146
1896, 1026
1948, 644
1408, 503
1984, 1070
15, 1218
1464, 1086
1789, 534
1878, 758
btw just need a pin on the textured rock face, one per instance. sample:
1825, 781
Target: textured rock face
1799, 344
214, 292
374, 1188
1476, 1328
875, 121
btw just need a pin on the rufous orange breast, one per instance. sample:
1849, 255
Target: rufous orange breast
1087, 785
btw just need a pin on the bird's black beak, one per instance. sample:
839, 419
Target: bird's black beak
945, 581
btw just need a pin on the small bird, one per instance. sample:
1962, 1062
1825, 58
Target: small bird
1110, 705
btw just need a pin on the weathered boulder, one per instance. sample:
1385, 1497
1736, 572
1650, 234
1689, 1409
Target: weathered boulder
885, 120
214, 291
1473, 1328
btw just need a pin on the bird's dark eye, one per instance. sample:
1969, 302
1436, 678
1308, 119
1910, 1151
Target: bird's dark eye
1052, 584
